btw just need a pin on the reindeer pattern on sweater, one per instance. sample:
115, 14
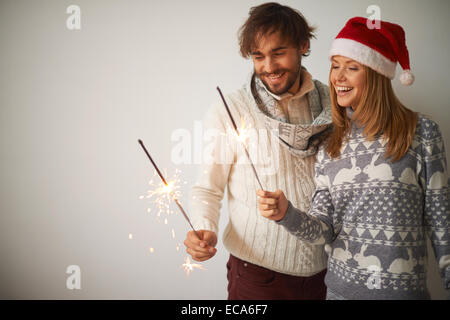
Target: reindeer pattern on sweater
374, 216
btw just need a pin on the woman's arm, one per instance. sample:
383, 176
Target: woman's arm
315, 227
435, 184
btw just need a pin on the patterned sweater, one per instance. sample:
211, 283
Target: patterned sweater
374, 216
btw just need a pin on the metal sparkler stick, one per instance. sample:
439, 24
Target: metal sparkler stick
165, 182
243, 144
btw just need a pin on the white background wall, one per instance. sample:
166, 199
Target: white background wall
74, 103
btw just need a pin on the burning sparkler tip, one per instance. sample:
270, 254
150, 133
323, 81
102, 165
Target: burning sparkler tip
167, 192
189, 267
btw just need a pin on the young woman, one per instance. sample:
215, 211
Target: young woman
382, 183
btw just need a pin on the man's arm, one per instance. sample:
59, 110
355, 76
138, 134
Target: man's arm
207, 194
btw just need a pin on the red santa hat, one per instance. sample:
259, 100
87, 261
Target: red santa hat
378, 48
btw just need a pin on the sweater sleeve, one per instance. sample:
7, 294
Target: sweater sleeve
317, 226
434, 177
207, 194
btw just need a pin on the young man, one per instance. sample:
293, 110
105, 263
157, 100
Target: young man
266, 262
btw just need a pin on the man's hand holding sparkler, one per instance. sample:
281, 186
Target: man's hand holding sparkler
272, 205
201, 249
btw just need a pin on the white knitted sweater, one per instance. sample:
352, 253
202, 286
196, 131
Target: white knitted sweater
248, 235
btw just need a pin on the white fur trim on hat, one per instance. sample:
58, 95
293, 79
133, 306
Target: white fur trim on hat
363, 54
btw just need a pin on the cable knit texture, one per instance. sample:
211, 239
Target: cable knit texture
248, 235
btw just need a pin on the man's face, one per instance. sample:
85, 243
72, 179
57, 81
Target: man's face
278, 64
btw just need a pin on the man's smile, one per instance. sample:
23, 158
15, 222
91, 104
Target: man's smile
275, 78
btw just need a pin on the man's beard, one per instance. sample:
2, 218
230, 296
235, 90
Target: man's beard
292, 76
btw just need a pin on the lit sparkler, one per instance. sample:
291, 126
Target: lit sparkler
189, 267
168, 189
163, 194
242, 134
241, 138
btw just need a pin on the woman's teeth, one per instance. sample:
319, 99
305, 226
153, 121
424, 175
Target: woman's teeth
343, 89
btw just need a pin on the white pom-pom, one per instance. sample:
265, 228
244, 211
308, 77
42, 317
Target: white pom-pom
407, 78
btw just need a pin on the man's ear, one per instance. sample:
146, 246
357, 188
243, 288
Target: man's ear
304, 48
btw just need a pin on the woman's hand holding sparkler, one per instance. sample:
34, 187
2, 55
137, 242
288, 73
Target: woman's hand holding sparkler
272, 205
201, 249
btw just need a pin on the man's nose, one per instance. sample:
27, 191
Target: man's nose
269, 65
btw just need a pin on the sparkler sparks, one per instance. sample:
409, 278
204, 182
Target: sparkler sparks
163, 194
169, 189
189, 267
243, 133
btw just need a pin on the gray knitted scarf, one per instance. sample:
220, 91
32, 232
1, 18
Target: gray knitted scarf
300, 140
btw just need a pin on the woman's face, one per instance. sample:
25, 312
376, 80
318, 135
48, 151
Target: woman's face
348, 79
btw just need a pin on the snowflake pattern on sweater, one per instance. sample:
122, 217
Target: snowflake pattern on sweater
375, 215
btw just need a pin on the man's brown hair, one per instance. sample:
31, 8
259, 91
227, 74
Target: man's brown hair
273, 17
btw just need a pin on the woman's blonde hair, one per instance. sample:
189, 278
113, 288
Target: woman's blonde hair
379, 112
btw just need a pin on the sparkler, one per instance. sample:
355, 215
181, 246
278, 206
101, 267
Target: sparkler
163, 194
189, 267
169, 189
240, 138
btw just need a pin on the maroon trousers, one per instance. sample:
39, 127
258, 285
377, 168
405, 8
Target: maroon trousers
247, 281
